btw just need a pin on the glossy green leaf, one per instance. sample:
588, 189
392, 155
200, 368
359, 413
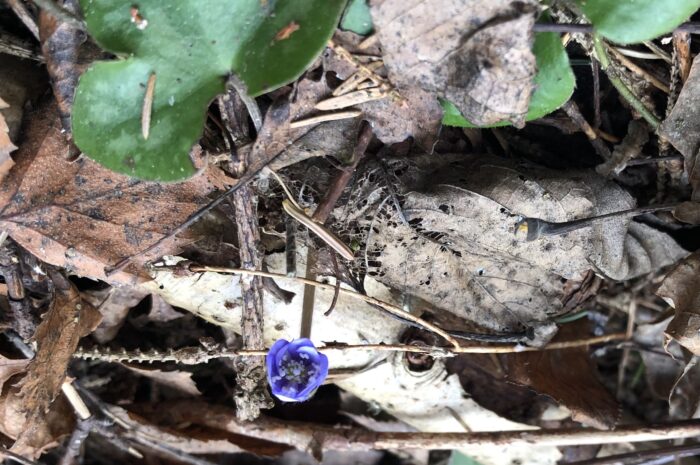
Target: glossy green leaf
357, 18
630, 21
191, 47
554, 82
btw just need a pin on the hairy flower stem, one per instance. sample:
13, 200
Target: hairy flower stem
537, 228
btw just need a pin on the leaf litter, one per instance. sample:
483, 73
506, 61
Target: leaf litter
455, 314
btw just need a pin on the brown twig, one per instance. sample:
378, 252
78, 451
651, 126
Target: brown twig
574, 113
24, 16
323, 211
632, 66
198, 355
689, 27
252, 393
321, 437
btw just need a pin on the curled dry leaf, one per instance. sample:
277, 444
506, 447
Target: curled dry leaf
69, 318
458, 251
681, 289
475, 54
568, 376
83, 217
10, 367
682, 127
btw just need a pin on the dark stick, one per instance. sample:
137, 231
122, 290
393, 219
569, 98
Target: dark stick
323, 211
574, 113
595, 71
251, 395
649, 161
537, 228
689, 27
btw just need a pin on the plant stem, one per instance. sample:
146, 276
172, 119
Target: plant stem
624, 91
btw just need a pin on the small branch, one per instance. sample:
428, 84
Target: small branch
61, 14
689, 27
24, 16
323, 437
325, 207
624, 91
574, 113
198, 355
322, 118
251, 394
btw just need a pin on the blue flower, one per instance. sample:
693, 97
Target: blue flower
295, 369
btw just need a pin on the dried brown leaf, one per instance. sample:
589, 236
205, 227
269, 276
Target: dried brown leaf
10, 367
682, 127
681, 289
83, 217
475, 54
59, 44
179, 380
568, 376
416, 114
69, 318
688, 212
459, 253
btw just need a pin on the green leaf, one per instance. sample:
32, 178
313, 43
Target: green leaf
191, 47
554, 82
458, 458
357, 18
631, 21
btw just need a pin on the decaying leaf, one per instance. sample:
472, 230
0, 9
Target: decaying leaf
6, 145
416, 113
11, 367
69, 319
458, 251
276, 137
475, 54
569, 376
681, 289
684, 397
83, 217
682, 127
179, 380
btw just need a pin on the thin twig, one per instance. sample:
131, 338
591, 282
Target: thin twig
624, 91
148, 106
325, 117
574, 113
17, 458
689, 27
24, 16
390, 308
627, 63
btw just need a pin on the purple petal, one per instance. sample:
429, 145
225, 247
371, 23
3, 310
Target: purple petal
296, 344
323, 369
271, 358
